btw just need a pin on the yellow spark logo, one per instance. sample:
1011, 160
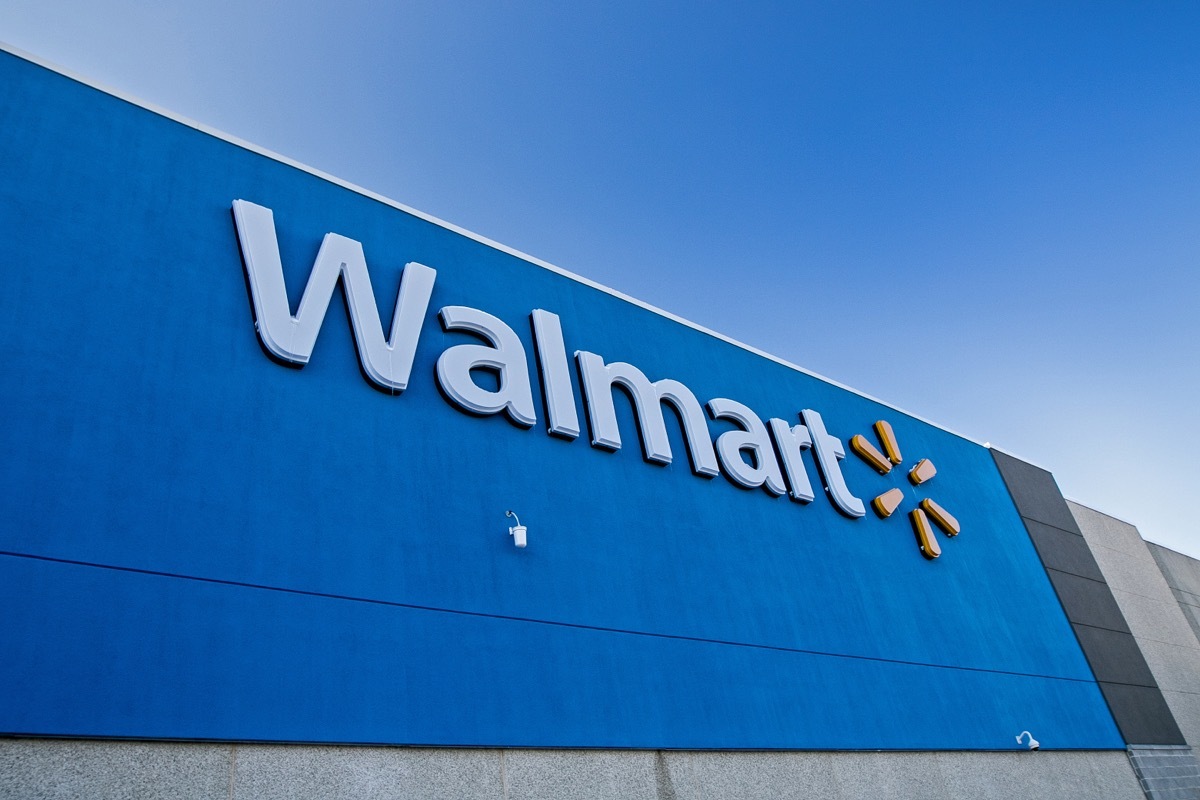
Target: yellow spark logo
886, 504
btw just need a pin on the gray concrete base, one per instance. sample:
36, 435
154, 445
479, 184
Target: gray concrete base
32, 769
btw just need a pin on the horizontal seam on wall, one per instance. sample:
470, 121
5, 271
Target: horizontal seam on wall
1048, 552
1155, 686
529, 620
1068, 572
1073, 575
1192, 648
1102, 628
1173, 603
1125, 553
1050, 525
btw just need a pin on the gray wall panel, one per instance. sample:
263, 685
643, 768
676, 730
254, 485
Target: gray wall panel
1106, 533
1174, 667
1183, 576
1088, 602
1114, 656
1142, 714
1156, 621
1192, 614
1180, 571
1035, 492
1186, 710
1063, 550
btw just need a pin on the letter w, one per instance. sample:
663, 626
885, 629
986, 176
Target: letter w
292, 338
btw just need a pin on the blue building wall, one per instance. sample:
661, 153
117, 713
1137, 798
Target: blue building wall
199, 542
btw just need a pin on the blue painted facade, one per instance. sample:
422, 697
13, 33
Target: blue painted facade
201, 543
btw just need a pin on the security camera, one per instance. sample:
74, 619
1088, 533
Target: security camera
518, 531
1034, 744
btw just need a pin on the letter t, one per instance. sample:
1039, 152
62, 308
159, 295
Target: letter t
829, 451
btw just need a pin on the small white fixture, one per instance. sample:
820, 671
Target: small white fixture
517, 531
1034, 744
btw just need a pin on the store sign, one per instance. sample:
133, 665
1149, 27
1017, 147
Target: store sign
756, 454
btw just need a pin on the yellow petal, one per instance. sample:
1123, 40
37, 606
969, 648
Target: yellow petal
941, 517
923, 471
925, 538
869, 454
887, 437
887, 502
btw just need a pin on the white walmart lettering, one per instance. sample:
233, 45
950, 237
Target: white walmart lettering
750, 455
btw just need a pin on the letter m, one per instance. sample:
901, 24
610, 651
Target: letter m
291, 338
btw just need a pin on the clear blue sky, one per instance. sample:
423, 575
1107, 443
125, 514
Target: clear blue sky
1012, 190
